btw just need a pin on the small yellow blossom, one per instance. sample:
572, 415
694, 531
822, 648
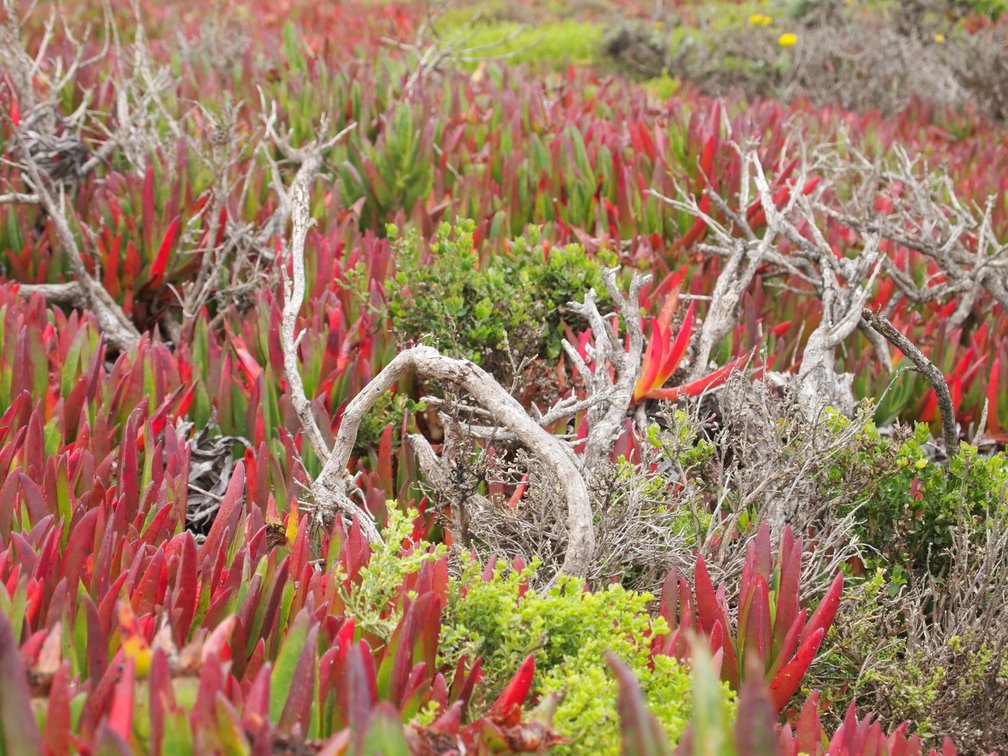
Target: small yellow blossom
758, 19
939, 37
293, 521
787, 39
921, 463
136, 648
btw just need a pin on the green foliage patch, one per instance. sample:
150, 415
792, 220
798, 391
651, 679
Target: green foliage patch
551, 44
568, 630
916, 500
460, 305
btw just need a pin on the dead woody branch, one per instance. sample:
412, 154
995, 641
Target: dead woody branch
117, 328
608, 373
793, 247
902, 203
609, 384
934, 376
50, 156
295, 204
610, 398
428, 364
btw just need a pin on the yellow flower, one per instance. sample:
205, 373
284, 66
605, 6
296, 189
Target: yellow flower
293, 522
758, 19
939, 38
787, 39
136, 648
921, 463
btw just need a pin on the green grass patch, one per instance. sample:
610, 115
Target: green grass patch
554, 43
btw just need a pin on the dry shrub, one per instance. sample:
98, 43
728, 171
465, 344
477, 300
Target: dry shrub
641, 531
884, 60
776, 465
872, 66
982, 68
703, 484
936, 653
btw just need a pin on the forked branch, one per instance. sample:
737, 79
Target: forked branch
428, 364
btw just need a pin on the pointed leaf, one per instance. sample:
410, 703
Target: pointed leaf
18, 731
641, 733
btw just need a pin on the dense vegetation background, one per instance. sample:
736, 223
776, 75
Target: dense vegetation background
503, 377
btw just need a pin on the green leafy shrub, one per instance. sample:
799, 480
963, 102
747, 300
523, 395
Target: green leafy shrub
916, 500
453, 302
371, 599
568, 630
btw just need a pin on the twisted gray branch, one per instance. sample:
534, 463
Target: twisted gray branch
934, 376
429, 364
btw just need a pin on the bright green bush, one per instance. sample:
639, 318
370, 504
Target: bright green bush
568, 630
453, 302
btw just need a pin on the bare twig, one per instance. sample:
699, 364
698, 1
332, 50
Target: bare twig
923, 213
434, 472
294, 291
70, 293
934, 376
605, 419
294, 203
118, 329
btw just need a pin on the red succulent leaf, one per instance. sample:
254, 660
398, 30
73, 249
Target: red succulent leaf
513, 696
993, 394
789, 678
642, 734
121, 713
227, 516
18, 731
673, 353
808, 731
755, 720
822, 618
161, 259
701, 385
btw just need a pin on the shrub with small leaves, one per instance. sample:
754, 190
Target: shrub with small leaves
370, 599
568, 630
916, 499
473, 309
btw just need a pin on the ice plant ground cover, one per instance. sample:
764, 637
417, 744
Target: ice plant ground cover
374, 379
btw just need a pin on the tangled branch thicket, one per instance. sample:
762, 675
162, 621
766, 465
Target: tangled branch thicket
936, 652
